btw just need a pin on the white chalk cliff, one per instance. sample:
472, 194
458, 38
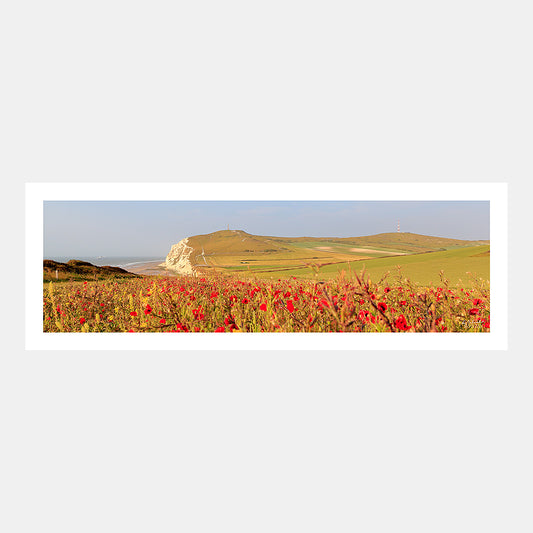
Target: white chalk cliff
178, 258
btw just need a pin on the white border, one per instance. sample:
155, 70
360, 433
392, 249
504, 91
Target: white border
37, 193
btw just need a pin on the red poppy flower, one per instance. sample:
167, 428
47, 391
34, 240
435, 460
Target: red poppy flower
220, 329
198, 313
82, 320
382, 306
473, 311
263, 307
401, 323
162, 321
290, 306
133, 313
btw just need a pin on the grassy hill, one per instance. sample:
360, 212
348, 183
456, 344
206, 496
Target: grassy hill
410, 242
76, 270
228, 242
422, 256
234, 242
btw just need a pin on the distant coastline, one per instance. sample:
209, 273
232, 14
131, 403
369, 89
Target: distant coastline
118, 261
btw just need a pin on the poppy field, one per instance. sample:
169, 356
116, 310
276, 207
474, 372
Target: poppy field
233, 305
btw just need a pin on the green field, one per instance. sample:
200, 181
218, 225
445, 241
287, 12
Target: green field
423, 268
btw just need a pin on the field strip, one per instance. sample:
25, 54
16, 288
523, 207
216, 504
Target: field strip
370, 250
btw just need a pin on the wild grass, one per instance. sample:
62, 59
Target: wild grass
348, 303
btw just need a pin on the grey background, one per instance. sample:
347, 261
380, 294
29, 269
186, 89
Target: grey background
285, 441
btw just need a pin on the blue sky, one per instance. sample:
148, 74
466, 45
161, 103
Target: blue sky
110, 228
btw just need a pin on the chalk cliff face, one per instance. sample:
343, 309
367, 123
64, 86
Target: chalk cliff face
178, 258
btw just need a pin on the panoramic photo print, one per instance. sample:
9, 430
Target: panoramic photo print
265, 266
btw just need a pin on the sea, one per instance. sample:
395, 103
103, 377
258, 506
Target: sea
118, 261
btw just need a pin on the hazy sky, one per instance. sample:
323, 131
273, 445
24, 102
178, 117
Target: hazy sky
110, 228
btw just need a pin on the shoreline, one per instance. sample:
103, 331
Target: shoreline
150, 268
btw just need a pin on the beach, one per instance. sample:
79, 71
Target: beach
149, 268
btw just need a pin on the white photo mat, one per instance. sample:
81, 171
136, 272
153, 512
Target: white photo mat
37, 193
